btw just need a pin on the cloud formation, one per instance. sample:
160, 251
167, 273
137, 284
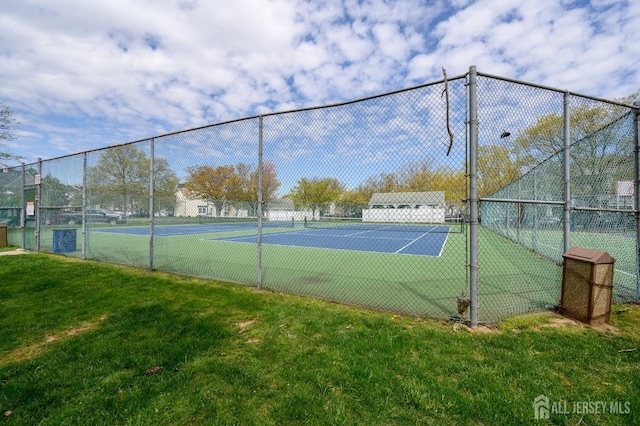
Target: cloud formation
81, 75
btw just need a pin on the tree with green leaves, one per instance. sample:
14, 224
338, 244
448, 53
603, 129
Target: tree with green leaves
54, 192
496, 169
121, 178
601, 148
316, 193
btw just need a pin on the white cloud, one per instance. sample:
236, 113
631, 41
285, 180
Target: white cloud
149, 66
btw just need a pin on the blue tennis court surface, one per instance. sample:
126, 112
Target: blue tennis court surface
421, 241
429, 242
179, 230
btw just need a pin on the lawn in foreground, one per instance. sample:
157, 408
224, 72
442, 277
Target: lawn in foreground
90, 343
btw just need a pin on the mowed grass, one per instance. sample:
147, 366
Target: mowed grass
513, 279
89, 343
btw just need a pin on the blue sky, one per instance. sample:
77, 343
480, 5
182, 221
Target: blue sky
81, 75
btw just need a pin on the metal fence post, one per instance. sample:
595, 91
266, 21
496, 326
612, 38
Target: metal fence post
636, 189
151, 202
566, 220
473, 196
37, 204
23, 207
84, 206
260, 124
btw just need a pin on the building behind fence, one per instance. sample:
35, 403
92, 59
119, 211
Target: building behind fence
497, 179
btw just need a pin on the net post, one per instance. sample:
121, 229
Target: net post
473, 197
260, 136
566, 220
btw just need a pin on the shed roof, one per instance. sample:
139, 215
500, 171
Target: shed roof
398, 198
587, 255
12, 178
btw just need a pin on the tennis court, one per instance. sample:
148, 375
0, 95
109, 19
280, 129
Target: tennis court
189, 229
428, 242
420, 240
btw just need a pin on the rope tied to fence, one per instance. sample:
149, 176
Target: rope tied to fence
445, 92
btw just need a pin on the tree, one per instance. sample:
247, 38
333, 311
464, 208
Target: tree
118, 177
207, 183
54, 192
7, 125
417, 177
454, 185
422, 177
316, 193
384, 182
165, 184
545, 138
243, 185
353, 201
496, 169
600, 150
232, 184
121, 179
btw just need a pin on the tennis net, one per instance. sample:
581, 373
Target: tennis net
357, 224
231, 222
247, 221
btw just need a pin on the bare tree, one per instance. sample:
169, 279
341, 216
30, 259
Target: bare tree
7, 126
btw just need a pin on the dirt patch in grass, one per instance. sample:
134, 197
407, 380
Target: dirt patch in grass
28, 352
10, 251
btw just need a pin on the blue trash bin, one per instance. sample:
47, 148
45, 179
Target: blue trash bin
64, 240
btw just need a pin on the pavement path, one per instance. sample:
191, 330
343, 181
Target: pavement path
13, 252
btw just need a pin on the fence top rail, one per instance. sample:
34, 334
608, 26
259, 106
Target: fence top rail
253, 117
337, 104
541, 86
512, 200
555, 203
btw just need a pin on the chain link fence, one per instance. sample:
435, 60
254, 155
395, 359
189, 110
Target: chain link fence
364, 202
538, 198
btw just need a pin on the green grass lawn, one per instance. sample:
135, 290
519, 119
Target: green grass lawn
89, 343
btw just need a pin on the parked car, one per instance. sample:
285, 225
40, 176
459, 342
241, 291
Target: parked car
93, 215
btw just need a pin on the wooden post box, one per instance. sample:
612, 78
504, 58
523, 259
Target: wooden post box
587, 285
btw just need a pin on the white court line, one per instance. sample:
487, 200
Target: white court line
415, 240
368, 230
623, 272
443, 244
615, 269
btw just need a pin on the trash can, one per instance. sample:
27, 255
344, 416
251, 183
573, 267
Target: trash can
587, 285
64, 240
3, 235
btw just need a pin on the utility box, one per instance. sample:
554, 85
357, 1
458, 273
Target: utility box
64, 240
3, 235
587, 285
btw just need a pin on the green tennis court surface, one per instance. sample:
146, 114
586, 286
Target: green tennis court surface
512, 279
